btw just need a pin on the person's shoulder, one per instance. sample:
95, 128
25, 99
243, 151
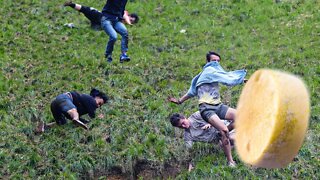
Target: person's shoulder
195, 116
87, 97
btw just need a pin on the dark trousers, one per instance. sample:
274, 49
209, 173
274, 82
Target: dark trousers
92, 14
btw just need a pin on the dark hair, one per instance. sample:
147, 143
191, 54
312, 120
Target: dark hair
136, 17
96, 93
211, 53
175, 119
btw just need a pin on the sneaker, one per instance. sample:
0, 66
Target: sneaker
232, 164
124, 57
68, 3
40, 127
109, 58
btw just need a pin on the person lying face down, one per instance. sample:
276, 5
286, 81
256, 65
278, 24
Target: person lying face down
196, 129
95, 16
72, 105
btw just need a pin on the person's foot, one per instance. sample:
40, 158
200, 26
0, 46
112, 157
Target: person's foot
108, 58
40, 127
232, 164
124, 57
68, 3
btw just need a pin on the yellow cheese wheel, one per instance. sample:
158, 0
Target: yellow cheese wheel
272, 119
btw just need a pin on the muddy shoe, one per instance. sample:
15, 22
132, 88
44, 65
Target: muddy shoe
40, 127
68, 3
79, 123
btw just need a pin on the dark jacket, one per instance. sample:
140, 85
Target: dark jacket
115, 8
85, 104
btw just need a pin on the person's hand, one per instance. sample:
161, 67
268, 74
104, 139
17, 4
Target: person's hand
173, 100
101, 116
190, 167
207, 126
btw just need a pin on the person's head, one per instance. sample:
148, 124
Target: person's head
212, 56
100, 97
178, 120
134, 18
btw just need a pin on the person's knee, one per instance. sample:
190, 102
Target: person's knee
113, 39
125, 34
231, 114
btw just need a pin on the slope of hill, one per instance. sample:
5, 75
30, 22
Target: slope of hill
40, 58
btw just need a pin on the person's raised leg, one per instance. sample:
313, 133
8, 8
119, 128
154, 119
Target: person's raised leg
216, 122
108, 28
73, 5
122, 30
231, 116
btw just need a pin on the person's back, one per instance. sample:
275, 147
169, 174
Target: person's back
85, 104
115, 8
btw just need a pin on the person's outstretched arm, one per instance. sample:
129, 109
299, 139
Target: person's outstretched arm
126, 18
180, 100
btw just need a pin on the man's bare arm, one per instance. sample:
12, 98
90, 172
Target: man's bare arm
180, 100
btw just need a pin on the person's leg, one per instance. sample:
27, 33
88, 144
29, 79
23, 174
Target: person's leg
92, 14
231, 116
216, 122
57, 113
73, 5
108, 28
227, 151
122, 30
213, 114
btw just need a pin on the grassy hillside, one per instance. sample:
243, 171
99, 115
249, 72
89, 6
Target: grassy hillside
41, 58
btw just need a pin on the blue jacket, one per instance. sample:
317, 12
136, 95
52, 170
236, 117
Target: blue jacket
213, 72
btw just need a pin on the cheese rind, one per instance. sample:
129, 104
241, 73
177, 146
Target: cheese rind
272, 118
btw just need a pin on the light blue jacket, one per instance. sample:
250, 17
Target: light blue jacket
213, 72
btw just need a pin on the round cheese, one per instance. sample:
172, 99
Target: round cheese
272, 119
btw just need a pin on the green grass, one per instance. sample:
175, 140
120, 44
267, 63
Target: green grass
40, 58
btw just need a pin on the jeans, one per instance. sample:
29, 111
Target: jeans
111, 26
59, 108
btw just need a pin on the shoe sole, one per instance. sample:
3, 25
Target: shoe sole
125, 60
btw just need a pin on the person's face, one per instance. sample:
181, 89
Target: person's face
214, 58
184, 123
132, 20
99, 101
